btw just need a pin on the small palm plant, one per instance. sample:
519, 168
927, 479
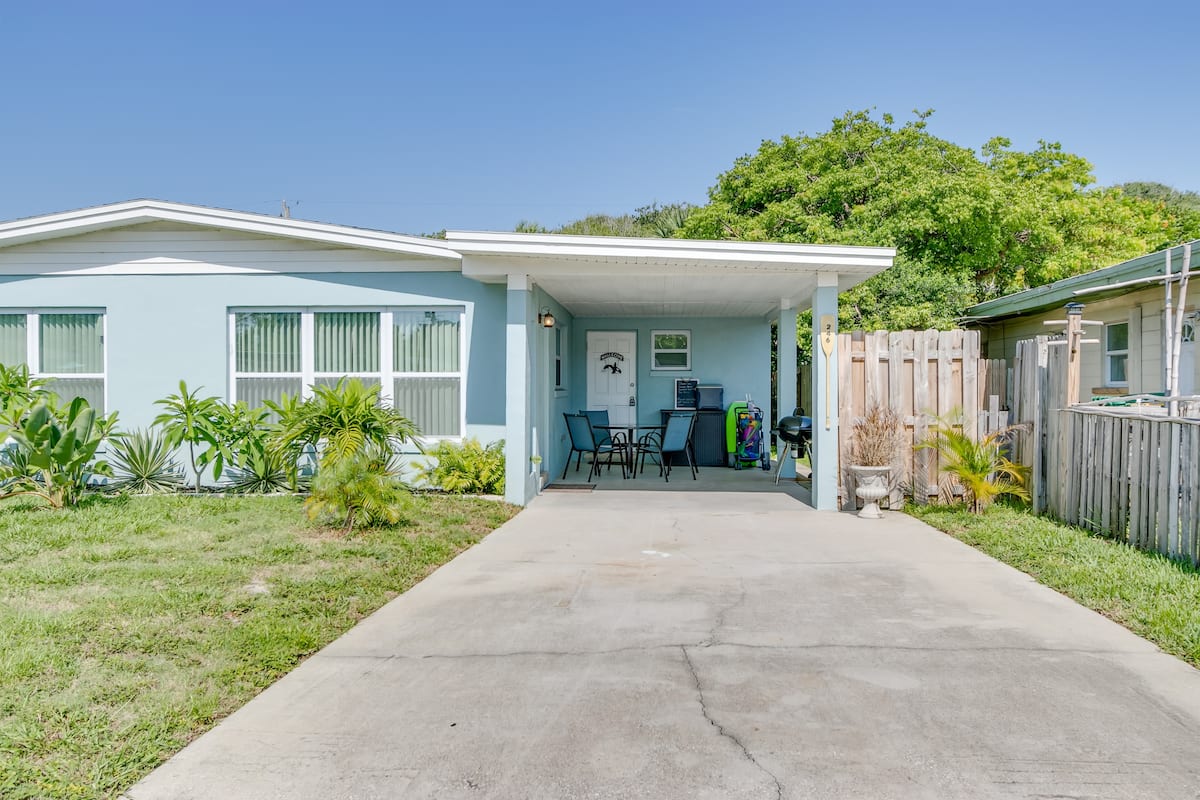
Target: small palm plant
146, 463
979, 466
362, 490
342, 421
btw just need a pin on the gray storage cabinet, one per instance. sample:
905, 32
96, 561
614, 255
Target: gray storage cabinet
708, 437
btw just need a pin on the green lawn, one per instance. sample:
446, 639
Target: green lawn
1153, 596
130, 625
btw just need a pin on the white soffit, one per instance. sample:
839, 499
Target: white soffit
613, 276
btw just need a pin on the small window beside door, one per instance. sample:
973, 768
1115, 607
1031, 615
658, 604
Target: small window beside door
670, 350
1116, 354
560, 378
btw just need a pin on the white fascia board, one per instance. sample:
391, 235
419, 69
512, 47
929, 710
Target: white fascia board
490, 268
74, 223
553, 243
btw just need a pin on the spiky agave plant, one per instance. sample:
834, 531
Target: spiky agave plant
979, 466
264, 470
145, 463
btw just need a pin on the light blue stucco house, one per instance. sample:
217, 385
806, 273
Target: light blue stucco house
491, 335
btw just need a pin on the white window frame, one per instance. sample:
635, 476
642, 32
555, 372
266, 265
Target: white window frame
654, 351
308, 374
33, 345
1108, 380
559, 345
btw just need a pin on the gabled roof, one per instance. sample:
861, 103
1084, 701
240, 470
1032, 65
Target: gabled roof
135, 212
1128, 276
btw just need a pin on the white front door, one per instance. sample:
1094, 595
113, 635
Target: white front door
612, 374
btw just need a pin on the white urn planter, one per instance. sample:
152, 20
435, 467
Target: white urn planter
871, 485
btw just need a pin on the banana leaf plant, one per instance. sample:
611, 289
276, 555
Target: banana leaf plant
53, 451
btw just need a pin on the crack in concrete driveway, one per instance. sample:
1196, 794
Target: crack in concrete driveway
857, 658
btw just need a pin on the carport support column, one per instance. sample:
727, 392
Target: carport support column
517, 417
825, 397
785, 361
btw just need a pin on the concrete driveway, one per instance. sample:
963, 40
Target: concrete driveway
674, 645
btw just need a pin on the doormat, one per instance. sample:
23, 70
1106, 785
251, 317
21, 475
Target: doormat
569, 487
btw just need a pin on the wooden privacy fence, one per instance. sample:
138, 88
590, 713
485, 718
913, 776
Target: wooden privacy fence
1130, 476
921, 375
1039, 389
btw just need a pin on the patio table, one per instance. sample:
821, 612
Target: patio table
630, 443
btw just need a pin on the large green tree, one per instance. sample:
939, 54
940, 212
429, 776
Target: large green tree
967, 225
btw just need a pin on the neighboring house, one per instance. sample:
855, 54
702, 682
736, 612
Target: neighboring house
118, 303
1129, 299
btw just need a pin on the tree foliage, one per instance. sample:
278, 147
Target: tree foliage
967, 225
652, 220
1183, 207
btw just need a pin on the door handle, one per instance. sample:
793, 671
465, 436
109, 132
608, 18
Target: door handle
632, 401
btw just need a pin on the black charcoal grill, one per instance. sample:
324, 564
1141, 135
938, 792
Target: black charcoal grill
795, 437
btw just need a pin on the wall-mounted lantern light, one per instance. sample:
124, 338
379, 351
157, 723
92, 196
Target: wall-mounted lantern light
546, 318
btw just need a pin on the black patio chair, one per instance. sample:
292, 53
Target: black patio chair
583, 440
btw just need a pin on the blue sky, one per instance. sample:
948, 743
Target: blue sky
416, 117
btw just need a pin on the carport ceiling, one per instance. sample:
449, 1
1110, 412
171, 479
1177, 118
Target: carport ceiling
612, 276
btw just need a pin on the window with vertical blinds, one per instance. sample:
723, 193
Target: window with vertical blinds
267, 358
64, 347
426, 356
12, 340
346, 344
414, 354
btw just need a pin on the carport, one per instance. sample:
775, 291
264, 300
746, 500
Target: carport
573, 300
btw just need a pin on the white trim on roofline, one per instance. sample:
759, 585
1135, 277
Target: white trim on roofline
136, 212
760, 255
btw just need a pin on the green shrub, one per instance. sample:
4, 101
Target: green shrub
53, 451
362, 490
469, 468
146, 463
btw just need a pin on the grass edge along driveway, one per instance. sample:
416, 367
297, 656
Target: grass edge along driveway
133, 624
1151, 595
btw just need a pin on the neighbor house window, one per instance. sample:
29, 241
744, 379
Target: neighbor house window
671, 350
414, 354
559, 377
64, 347
1116, 354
